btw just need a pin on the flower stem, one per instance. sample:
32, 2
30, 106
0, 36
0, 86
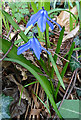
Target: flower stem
49, 65
47, 53
47, 49
46, 40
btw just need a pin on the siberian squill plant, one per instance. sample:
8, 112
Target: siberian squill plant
45, 75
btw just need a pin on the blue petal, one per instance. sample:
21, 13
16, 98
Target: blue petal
50, 24
42, 22
23, 48
36, 46
45, 50
45, 13
55, 22
34, 18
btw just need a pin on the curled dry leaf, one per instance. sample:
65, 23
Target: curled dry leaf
63, 18
23, 72
71, 34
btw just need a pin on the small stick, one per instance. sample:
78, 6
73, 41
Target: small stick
60, 56
12, 40
7, 51
72, 86
77, 88
9, 32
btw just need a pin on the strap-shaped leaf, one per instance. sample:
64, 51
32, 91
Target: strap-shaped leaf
33, 69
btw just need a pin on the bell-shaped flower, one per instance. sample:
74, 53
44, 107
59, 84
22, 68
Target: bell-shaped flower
41, 17
34, 45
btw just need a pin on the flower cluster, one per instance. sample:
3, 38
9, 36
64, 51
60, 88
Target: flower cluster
41, 17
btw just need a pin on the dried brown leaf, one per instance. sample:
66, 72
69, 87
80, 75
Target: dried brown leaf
35, 112
16, 109
63, 18
25, 94
71, 34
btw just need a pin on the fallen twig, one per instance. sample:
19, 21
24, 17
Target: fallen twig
59, 56
12, 40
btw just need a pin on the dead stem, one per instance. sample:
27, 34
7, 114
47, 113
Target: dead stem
12, 40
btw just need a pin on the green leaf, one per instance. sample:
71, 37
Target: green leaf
58, 48
24, 6
47, 8
77, 5
18, 17
75, 49
42, 102
70, 109
79, 56
33, 4
56, 70
78, 92
79, 11
59, 43
24, 11
71, 23
16, 27
4, 107
42, 63
74, 64
77, 41
12, 5
18, 41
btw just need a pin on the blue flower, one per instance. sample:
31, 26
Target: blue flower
34, 45
41, 17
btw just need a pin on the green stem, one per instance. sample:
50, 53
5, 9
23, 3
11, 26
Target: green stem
49, 63
47, 49
23, 89
46, 40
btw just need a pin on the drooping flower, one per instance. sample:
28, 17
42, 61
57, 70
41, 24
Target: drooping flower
41, 17
34, 45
